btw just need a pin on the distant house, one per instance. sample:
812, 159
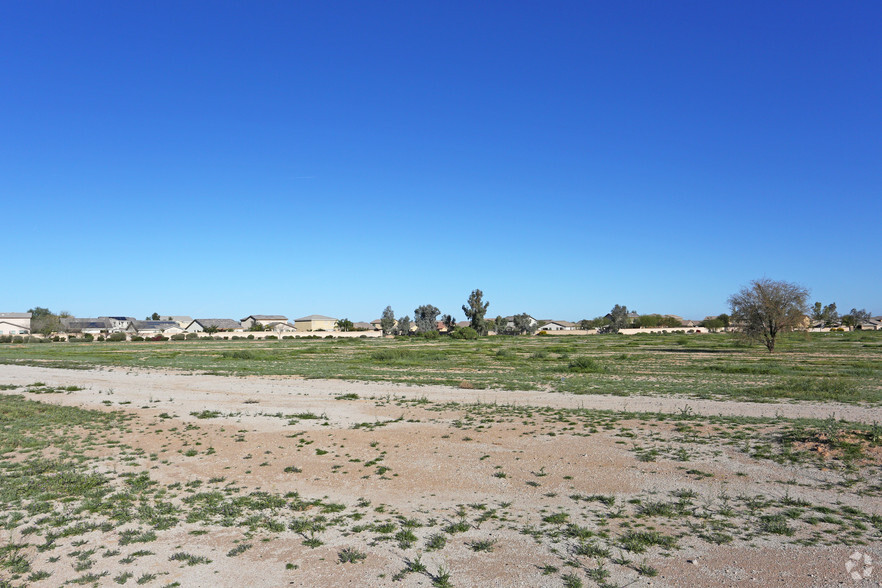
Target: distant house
118, 324
509, 321
359, 326
262, 319
315, 322
151, 328
221, 325
182, 320
558, 326
85, 326
15, 323
377, 325
871, 324
280, 327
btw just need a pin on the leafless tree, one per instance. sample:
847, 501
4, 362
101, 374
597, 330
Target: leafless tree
766, 307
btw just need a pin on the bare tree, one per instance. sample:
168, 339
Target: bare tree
766, 307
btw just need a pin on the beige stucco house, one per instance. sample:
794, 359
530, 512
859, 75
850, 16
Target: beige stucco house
222, 325
315, 322
263, 319
15, 323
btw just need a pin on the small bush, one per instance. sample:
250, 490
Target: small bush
137, 338
116, 337
467, 333
584, 365
178, 337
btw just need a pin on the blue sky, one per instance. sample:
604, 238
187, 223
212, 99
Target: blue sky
221, 159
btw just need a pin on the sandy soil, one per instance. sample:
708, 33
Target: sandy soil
434, 468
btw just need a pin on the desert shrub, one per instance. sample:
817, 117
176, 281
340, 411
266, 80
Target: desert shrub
137, 338
250, 337
584, 365
159, 338
116, 337
178, 337
241, 354
542, 334
88, 337
5, 338
191, 336
430, 335
465, 333
101, 337
271, 337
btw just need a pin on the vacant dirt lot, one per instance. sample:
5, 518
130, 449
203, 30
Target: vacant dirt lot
381, 484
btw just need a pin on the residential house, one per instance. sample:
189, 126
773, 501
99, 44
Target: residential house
221, 325
315, 322
558, 326
377, 325
152, 328
15, 323
871, 324
118, 324
280, 327
85, 326
263, 319
360, 326
509, 321
182, 320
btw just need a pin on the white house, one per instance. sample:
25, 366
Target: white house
558, 326
15, 323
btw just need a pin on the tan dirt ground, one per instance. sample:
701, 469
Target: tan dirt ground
433, 468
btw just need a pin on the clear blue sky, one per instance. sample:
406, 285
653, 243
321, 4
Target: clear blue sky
221, 159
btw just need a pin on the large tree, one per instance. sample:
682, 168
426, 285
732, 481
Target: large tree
403, 327
426, 318
449, 322
44, 321
524, 324
618, 319
826, 315
766, 307
475, 310
856, 318
387, 323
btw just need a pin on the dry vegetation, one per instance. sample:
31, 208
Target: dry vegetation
125, 476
